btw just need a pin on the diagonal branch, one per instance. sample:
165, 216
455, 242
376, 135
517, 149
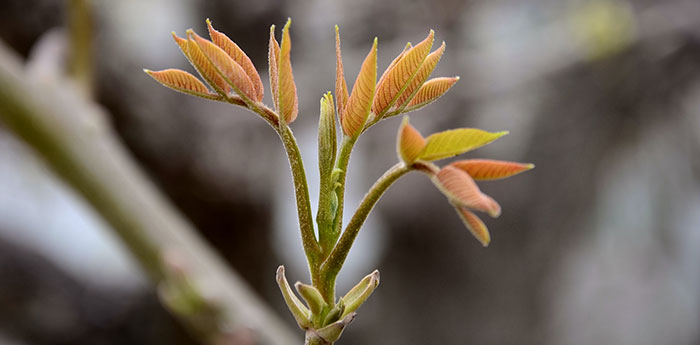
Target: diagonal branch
71, 135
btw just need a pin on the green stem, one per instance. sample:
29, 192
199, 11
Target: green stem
335, 261
324, 219
341, 166
301, 189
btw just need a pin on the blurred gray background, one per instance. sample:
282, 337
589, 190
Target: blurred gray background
600, 244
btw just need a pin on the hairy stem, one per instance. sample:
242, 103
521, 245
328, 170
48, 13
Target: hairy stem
326, 236
335, 261
301, 188
341, 167
301, 191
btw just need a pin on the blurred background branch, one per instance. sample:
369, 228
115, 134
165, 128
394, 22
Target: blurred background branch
81, 62
71, 134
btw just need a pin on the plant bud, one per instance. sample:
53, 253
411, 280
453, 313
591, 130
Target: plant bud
327, 142
329, 334
312, 296
335, 313
301, 314
360, 292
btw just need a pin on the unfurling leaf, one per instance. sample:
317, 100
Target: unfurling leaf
409, 143
421, 76
287, 89
182, 81
475, 225
312, 296
222, 64
327, 144
205, 68
301, 314
360, 293
400, 75
341, 87
462, 191
360, 102
489, 169
240, 57
430, 92
182, 43
273, 54
455, 142
393, 62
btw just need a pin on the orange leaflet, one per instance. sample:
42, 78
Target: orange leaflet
360, 102
475, 225
431, 91
225, 66
421, 76
182, 81
462, 191
287, 89
205, 68
341, 87
238, 55
398, 77
489, 169
273, 54
410, 142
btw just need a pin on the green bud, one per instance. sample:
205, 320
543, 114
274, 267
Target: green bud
335, 176
301, 314
327, 142
312, 296
329, 334
360, 292
334, 205
335, 313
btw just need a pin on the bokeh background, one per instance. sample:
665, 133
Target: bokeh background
600, 244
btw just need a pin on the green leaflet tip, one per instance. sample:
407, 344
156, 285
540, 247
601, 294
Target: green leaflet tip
502, 133
208, 21
326, 97
530, 166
